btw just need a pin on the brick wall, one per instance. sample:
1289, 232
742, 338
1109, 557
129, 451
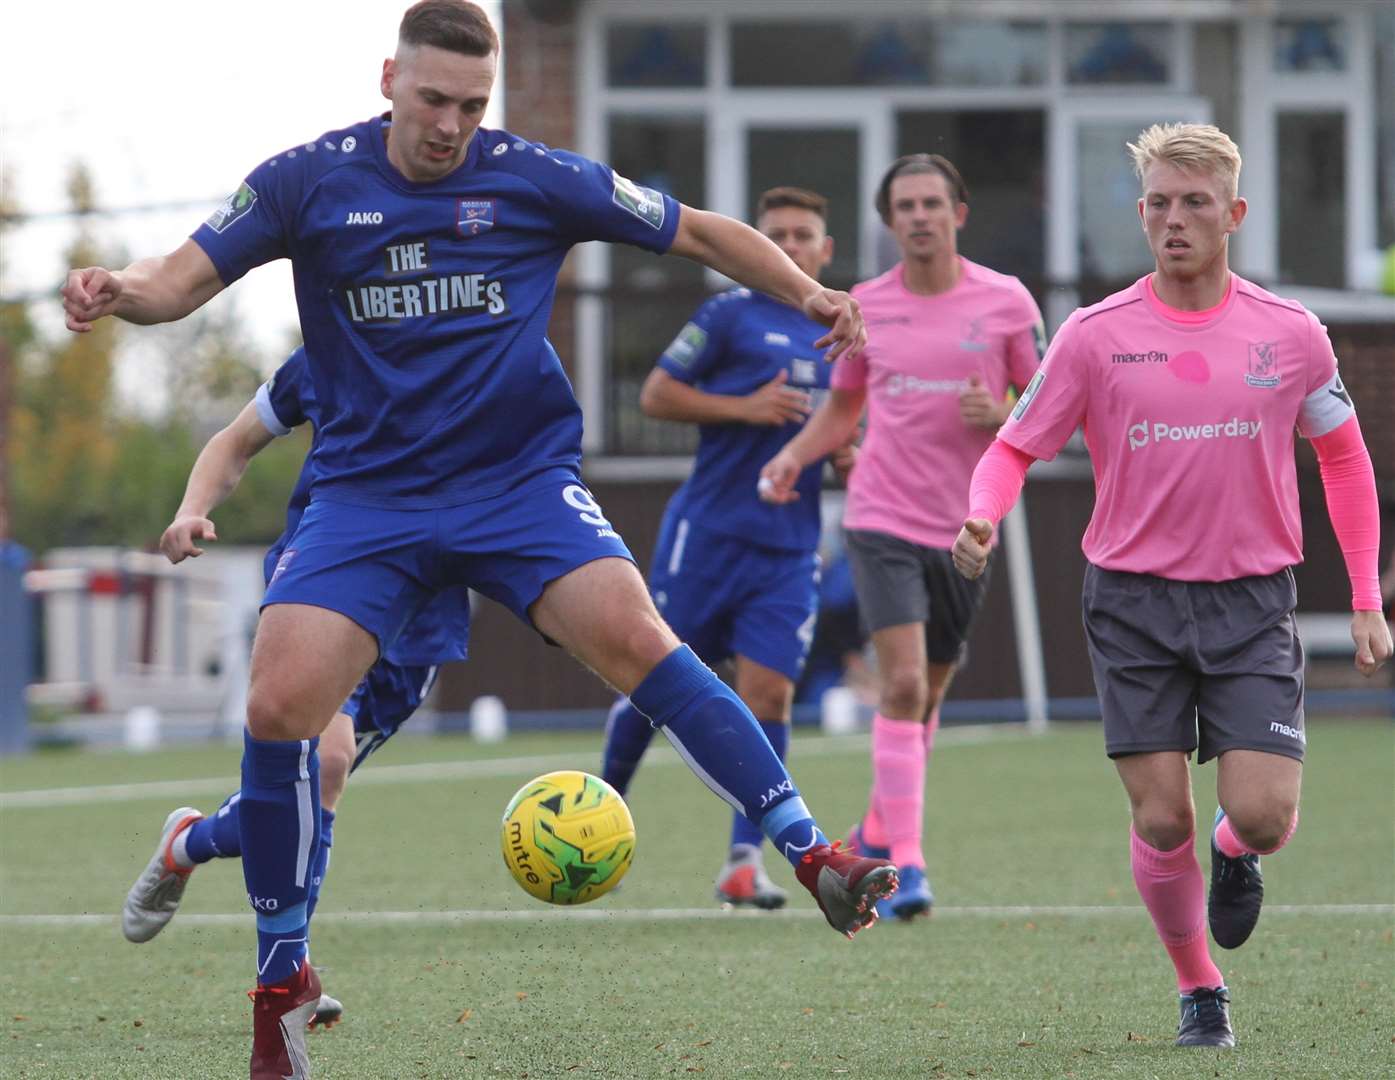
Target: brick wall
540, 105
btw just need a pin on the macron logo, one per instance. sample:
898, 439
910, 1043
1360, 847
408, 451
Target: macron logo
1142, 433
1292, 732
364, 217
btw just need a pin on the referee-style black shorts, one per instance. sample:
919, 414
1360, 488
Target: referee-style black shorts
1208, 666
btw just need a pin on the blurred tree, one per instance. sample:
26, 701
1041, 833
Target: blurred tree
83, 470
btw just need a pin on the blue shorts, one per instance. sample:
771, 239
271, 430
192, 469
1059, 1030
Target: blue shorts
383, 702
380, 566
727, 597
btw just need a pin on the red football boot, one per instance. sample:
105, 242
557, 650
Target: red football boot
846, 886
280, 1015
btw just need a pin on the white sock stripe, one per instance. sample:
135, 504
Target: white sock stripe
305, 810
701, 773
261, 970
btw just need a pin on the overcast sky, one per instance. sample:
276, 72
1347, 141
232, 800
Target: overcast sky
174, 103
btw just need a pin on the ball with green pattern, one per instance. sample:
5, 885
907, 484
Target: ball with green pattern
567, 837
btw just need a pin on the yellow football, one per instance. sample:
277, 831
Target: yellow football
567, 837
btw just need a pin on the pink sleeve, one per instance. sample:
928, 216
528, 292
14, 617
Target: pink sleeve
849, 372
1027, 345
1054, 403
1349, 482
997, 481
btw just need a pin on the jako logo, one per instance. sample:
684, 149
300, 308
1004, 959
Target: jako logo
364, 217
1140, 434
771, 794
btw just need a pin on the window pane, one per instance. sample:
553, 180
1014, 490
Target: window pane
651, 296
656, 54
1312, 199
889, 52
1001, 155
1384, 43
823, 160
1112, 246
1306, 45
1119, 52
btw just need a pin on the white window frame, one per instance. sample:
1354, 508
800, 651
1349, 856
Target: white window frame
730, 111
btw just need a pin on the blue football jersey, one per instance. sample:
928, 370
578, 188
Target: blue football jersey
738, 341
441, 630
424, 306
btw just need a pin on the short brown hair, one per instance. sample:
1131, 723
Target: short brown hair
778, 198
454, 25
909, 165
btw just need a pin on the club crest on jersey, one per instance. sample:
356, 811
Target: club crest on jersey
235, 207
804, 371
972, 340
644, 203
1263, 364
474, 216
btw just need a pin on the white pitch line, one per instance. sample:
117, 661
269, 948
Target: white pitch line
642, 915
489, 768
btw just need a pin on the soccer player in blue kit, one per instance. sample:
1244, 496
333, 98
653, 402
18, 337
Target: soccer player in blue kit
386, 698
425, 251
737, 577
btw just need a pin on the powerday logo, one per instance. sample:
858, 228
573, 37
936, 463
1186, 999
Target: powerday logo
235, 207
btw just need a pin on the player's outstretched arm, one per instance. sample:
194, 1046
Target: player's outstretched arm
1349, 482
832, 426
213, 478
155, 290
666, 398
993, 489
741, 253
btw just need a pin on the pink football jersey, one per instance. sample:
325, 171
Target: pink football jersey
1189, 419
912, 475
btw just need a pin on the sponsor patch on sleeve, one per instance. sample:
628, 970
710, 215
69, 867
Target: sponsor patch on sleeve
644, 203
1039, 338
1326, 409
684, 349
234, 207
1025, 401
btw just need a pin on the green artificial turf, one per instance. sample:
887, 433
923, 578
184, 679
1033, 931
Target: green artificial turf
1039, 961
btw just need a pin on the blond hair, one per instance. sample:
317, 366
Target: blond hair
1191, 148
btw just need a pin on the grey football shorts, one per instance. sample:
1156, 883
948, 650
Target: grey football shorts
1208, 666
900, 582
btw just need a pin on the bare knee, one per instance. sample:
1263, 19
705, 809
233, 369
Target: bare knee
335, 763
904, 693
280, 716
1164, 825
1263, 827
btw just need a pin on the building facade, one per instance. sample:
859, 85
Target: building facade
715, 100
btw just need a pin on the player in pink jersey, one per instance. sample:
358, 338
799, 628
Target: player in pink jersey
946, 338
1190, 385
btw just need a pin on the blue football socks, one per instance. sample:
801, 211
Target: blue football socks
321, 868
742, 830
627, 735
279, 824
717, 736
216, 836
